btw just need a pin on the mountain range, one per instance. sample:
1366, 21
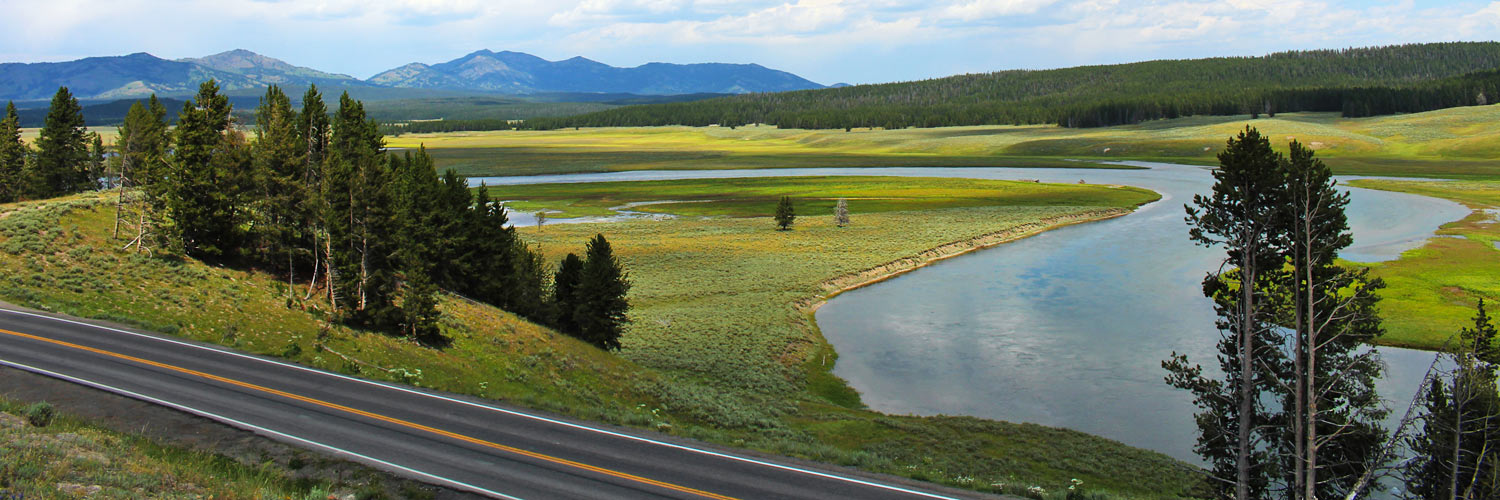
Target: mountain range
483, 71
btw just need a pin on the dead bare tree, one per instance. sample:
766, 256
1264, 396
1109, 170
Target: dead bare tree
841, 213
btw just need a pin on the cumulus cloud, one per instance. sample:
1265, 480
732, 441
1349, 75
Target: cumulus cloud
833, 40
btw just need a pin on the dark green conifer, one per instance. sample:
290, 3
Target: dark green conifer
565, 285
13, 154
601, 307
785, 214
61, 165
211, 171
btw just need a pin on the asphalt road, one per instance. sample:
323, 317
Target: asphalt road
450, 440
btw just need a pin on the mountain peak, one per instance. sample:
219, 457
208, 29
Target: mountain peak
267, 70
521, 73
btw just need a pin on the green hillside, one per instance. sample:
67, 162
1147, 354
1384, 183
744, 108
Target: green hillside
1357, 82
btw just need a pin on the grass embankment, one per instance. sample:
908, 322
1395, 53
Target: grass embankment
1432, 290
68, 458
719, 349
1453, 143
757, 197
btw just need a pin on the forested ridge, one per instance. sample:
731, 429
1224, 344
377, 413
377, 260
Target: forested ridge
1357, 82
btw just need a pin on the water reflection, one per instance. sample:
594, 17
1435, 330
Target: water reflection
1066, 328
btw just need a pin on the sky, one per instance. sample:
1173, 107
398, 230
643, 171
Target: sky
826, 41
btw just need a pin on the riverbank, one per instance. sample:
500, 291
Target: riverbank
1432, 291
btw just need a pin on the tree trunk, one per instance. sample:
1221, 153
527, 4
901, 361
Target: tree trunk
1247, 369
1458, 432
120, 200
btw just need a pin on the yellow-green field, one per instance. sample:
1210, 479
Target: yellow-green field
721, 347
1458, 143
1432, 290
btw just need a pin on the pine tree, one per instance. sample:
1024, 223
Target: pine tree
279, 165
359, 219
785, 214
211, 171
313, 132
601, 305
61, 165
841, 213
142, 146
1240, 215
1332, 411
96, 158
13, 154
565, 285
413, 185
1457, 452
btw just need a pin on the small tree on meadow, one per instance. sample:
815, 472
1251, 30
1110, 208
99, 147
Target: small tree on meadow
841, 213
784, 213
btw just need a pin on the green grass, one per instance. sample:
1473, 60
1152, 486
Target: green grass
34, 461
757, 197
1432, 290
1451, 143
721, 347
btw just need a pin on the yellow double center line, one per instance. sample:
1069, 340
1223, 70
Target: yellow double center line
382, 418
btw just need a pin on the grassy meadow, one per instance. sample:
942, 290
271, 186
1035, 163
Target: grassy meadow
721, 348
1451, 143
1431, 291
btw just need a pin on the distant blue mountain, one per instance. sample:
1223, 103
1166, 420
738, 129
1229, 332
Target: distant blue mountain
241, 72
520, 73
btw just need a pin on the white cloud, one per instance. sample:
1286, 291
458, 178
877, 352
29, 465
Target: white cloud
985, 9
829, 40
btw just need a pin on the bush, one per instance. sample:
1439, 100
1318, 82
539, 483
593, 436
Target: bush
40, 414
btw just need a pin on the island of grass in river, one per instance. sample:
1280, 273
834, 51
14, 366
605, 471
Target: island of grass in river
811, 196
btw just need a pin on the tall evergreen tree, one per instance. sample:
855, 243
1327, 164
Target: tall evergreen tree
142, 147
565, 285
785, 214
211, 170
601, 307
1458, 448
413, 185
1240, 215
12, 156
61, 165
313, 131
1332, 412
359, 218
279, 165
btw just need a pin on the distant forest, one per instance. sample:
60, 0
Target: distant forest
1356, 82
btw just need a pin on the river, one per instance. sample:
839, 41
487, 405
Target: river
1066, 328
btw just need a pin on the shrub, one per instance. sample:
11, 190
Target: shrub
40, 414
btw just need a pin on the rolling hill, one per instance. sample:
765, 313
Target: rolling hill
1358, 82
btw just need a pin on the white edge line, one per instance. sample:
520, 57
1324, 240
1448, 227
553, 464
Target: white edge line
253, 427
492, 408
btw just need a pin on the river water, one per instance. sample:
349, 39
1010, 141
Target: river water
1066, 328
